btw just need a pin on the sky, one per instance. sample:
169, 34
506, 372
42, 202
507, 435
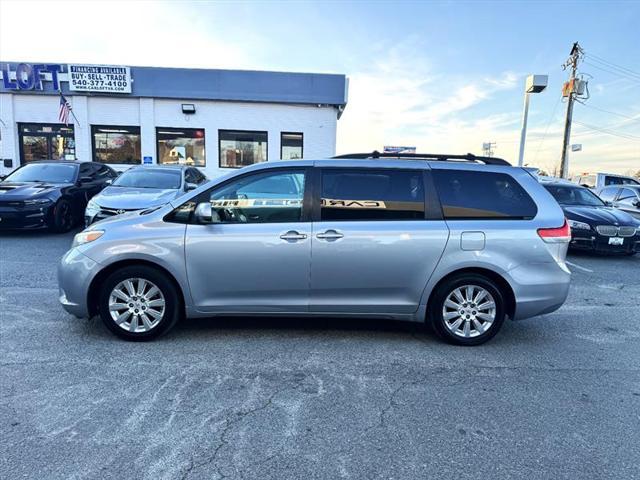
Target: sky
443, 76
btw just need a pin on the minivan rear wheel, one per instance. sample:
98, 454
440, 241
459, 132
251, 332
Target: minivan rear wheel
467, 309
138, 303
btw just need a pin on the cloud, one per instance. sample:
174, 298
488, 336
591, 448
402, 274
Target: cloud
400, 102
123, 33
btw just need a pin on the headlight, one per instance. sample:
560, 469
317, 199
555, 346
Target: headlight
37, 202
92, 208
86, 237
579, 225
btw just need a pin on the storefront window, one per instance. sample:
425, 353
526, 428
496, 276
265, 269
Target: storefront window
40, 141
290, 145
116, 144
239, 148
183, 146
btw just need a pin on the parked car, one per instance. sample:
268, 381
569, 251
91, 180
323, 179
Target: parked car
598, 181
50, 194
595, 226
142, 187
461, 244
626, 198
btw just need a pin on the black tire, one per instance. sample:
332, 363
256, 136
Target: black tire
435, 315
169, 293
62, 217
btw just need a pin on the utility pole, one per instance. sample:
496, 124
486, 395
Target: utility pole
570, 90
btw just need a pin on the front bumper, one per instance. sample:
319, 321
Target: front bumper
31, 218
592, 241
75, 273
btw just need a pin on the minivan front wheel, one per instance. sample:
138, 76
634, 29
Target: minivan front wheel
467, 309
138, 303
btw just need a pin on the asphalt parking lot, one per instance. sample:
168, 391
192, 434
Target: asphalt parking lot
555, 397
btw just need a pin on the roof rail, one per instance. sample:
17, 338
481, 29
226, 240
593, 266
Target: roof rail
469, 157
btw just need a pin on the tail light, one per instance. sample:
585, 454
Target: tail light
557, 234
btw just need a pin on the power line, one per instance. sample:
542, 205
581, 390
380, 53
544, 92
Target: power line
615, 65
634, 117
606, 130
621, 74
546, 129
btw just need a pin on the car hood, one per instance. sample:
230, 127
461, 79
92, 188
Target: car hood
599, 215
25, 190
130, 198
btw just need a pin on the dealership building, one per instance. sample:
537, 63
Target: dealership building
121, 115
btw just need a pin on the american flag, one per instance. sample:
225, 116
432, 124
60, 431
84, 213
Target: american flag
65, 110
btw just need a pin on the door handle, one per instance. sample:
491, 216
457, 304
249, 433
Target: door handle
330, 235
293, 235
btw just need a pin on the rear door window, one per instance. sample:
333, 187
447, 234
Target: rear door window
609, 193
473, 195
368, 194
190, 176
627, 193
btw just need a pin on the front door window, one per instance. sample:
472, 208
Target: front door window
272, 197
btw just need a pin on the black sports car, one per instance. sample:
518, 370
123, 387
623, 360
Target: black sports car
595, 226
50, 194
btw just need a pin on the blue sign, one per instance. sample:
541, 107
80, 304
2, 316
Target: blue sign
28, 76
147, 160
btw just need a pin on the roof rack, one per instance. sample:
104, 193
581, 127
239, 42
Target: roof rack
469, 157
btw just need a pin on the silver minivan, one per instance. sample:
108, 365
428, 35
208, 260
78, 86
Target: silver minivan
459, 242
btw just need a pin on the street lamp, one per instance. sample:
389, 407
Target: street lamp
534, 84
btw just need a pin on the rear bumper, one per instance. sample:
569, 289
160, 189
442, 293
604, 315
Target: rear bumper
75, 273
539, 288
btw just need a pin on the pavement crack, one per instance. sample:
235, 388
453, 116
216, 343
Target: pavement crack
231, 421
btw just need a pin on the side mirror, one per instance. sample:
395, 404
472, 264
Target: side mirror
109, 181
608, 203
2, 177
637, 203
205, 214
190, 186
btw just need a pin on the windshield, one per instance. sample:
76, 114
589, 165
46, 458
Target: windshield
150, 178
567, 195
44, 172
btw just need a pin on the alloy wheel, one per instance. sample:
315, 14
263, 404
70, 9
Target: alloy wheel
136, 305
469, 311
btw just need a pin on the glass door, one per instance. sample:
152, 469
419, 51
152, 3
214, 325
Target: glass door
40, 141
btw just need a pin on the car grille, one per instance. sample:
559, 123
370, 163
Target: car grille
626, 231
110, 212
12, 204
611, 231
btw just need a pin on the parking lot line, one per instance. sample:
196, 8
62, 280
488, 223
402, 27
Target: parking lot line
579, 267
